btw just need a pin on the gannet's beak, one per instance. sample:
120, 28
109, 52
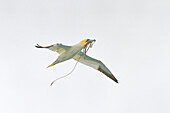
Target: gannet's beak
93, 41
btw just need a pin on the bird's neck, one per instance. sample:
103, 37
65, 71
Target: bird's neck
79, 45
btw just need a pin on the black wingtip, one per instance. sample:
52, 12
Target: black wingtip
110, 75
116, 81
38, 46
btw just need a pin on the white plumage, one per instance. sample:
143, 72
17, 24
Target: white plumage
69, 52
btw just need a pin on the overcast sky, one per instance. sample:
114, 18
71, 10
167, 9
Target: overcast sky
132, 40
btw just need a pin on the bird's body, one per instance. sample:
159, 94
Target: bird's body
69, 52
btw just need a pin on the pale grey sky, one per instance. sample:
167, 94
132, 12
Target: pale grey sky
133, 41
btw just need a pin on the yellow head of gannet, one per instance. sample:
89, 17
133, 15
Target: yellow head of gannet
85, 42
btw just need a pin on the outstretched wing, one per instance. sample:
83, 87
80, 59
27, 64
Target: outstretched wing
94, 63
59, 48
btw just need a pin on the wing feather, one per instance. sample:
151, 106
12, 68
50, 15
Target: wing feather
59, 48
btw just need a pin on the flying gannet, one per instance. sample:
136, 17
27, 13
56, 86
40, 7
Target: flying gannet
69, 52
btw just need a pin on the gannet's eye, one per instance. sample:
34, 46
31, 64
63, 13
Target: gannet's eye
87, 40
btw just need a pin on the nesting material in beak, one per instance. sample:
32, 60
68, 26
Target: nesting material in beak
89, 45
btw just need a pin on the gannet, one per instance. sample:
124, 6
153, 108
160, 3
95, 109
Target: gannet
74, 52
